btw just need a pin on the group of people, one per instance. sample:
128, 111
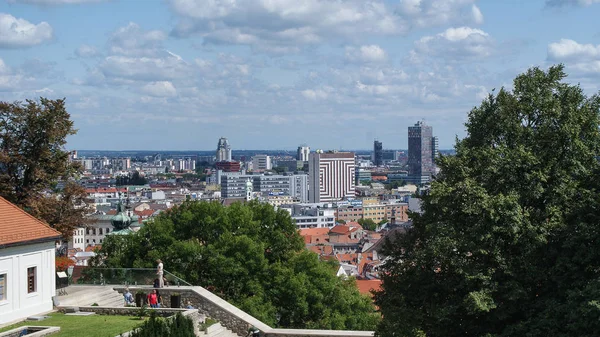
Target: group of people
153, 299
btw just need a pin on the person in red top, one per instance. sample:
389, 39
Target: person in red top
153, 299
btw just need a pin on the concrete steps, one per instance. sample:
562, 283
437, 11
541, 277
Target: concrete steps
217, 330
104, 296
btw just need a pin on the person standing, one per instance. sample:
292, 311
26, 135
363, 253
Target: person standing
128, 297
159, 300
153, 299
159, 272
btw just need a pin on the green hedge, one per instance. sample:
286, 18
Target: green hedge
179, 326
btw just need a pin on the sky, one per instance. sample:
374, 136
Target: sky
269, 74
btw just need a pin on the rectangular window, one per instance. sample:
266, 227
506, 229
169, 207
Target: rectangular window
100, 231
31, 279
3, 291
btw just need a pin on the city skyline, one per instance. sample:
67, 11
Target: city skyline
172, 75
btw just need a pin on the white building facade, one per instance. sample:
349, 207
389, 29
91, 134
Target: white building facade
261, 163
27, 269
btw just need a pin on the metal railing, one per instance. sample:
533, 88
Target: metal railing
126, 276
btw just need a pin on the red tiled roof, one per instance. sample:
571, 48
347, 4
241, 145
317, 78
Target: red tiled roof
321, 250
18, 226
93, 248
314, 231
145, 213
365, 286
340, 229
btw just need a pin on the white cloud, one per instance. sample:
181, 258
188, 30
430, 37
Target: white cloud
144, 68
314, 94
287, 26
477, 15
427, 13
562, 3
87, 51
132, 40
53, 2
19, 33
582, 58
569, 50
12, 80
455, 45
370, 53
160, 89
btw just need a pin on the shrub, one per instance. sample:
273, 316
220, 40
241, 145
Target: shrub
178, 326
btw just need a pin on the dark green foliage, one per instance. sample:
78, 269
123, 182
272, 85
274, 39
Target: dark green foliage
252, 256
507, 244
394, 185
367, 224
33, 159
134, 178
178, 326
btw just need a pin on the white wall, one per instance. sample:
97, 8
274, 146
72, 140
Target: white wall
14, 262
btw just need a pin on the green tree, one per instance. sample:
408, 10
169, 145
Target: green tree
367, 224
33, 159
251, 255
394, 184
505, 245
64, 209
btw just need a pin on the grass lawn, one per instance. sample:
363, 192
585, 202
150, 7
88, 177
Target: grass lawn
84, 326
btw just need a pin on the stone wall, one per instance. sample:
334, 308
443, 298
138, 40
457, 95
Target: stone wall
220, 311
232, 317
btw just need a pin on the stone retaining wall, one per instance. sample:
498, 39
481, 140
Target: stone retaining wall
233, 318
218, 311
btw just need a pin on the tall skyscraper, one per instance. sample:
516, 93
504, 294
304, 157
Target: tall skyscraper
302, 153
331, 176
377, 153
223, 150
421, 145
434, 150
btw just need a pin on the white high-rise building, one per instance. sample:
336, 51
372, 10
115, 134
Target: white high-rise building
223, 150
331, 176
261, 162
299, 187
303, 153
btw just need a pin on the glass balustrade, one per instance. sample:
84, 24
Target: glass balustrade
126, 276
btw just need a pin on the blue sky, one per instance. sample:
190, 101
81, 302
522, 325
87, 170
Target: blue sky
268, 74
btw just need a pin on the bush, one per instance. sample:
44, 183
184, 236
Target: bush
178, 326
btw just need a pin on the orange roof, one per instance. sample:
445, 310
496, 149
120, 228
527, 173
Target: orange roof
18, 226
93, 248
365, 286
322, 250
145, 213
314, 231
340, 229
